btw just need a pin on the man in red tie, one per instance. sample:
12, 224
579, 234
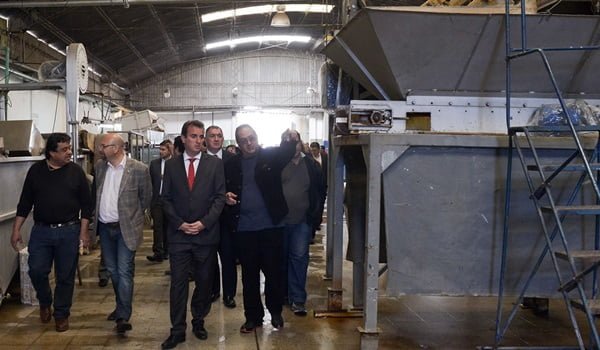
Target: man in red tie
193, 197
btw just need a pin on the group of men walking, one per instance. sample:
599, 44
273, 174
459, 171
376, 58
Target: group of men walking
259, 207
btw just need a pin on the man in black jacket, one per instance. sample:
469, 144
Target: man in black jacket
256, 208
159, 227
214, 147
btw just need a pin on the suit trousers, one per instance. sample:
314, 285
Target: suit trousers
200, 260
159, 229
228, 268
261, 250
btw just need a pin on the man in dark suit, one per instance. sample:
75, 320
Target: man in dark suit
193, 197
256, 208
214, 147
321, 158
159, 228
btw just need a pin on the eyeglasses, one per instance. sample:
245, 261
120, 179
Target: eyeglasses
246, 140
103, 146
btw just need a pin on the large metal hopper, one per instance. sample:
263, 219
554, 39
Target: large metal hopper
393, 51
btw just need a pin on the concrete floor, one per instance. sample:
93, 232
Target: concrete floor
410, 322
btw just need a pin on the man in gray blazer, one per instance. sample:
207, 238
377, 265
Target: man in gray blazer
193, 197
123, 191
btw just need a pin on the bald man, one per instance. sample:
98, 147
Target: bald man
123, 191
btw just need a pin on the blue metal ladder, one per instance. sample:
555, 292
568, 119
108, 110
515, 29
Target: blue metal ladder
552, 214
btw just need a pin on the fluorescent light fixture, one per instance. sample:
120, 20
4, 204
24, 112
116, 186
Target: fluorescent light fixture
259, 39
45, 43
93, 71
255, 10
251, 108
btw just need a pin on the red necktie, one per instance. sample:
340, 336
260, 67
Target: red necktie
191, 174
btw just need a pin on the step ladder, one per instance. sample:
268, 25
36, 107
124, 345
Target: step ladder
580, 266
566, 261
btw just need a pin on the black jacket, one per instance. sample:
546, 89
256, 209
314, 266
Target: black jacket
269, 164
316, 192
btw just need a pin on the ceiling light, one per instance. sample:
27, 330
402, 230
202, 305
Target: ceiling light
259, 39
261, 9
280, 19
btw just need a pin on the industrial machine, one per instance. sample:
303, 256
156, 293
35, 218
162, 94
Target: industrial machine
431, 153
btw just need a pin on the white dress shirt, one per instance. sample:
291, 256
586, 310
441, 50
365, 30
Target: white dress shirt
109, 200
162, 173
186, 162
219, 154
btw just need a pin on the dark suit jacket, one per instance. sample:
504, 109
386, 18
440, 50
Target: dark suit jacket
324, 165
316, 192
204, 202
155, 178
267, 175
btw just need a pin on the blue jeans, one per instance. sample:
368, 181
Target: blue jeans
295, 249
60, 245
119, 261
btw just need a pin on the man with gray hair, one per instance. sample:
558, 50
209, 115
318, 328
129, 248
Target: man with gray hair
123, 191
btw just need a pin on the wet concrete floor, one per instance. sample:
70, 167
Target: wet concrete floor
408, 322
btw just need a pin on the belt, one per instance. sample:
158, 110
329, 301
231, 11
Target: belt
59, 225
112, 225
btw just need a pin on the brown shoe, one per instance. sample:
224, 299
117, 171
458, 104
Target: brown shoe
62, 324
45, 314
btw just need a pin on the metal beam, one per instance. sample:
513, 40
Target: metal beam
164, 32
127, 42
122, 3
198, 19
49, 26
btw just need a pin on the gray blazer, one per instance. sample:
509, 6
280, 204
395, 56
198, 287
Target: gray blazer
134, 197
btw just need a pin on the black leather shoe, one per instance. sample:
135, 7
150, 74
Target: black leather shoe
229, 302
200, 333
172, 341
277, 321
112, 316
103, 282
214, 297
123, 326
155, 258
249, 326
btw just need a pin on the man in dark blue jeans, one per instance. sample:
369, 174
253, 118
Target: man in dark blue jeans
59, 192
303, 189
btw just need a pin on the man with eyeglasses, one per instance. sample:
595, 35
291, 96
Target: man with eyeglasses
214, 142
255, 212
123, 191
58, 191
